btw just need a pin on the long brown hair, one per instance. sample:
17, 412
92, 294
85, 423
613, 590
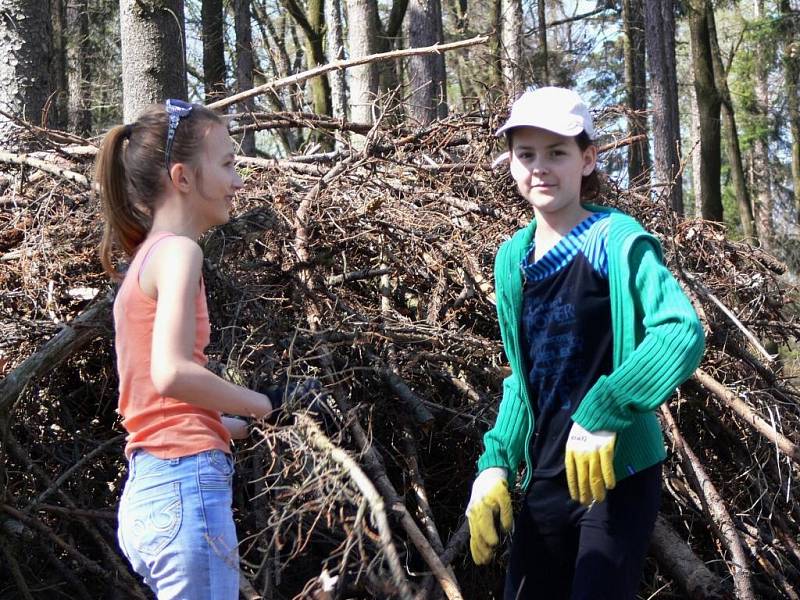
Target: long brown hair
131, 174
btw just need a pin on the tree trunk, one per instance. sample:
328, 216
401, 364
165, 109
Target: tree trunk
211, 16
791, 69
390, 72
762, 182
336, 79
731, 131
697, 182
660, 38
362, 21
24, 77
708, 108
79, 71
57, 104
542, 28
153, 53
636, 90
312, 22
244, 66
510, 30
426, 75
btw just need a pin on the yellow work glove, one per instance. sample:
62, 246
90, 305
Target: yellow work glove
590, 464
489, 500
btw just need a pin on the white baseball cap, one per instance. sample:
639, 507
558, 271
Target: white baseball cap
555, 109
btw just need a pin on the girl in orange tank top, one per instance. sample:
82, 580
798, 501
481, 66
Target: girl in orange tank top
164, 181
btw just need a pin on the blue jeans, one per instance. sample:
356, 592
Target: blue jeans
176, 525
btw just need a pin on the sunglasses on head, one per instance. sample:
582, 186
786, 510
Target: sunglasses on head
176, 110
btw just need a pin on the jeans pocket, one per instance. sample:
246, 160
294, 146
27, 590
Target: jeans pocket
216, 469
152, 517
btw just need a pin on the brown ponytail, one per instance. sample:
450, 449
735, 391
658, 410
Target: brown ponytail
125, 224
131, 174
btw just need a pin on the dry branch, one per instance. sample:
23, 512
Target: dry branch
47, 167
376, 505
715, 505
344, 64
676, 556
79, 332
749, 415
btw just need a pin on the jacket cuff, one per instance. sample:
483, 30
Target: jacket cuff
600, 410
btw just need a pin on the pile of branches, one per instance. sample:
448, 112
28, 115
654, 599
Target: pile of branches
369, 266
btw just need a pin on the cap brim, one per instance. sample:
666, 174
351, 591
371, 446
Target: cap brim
568, 130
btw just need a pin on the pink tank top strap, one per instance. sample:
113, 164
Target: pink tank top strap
146, 249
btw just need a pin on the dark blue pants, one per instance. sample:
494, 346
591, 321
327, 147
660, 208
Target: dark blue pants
562, 550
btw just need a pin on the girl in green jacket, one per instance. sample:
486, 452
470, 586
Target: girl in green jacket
598, 334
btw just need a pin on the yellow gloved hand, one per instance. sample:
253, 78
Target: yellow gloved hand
489, 499
590, 464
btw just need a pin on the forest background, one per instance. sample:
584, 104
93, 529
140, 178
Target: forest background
697, 103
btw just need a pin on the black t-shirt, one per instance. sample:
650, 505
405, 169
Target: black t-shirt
567, 336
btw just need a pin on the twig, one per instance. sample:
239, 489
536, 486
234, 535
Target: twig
715, 506
105, 515
90, 528
66, 474
47, 167
376, 504
276, 163
344, 64
16, 573
356, 275
80, 331
734, 319
259, 121
84, 563
744, 411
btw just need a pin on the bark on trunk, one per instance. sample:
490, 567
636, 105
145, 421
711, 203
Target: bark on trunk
510, 28
24, 76
211, 16
333, 20
731, 131
79, 71
426, 75
57, 109
697, 182
153, 43
362, 20
312, 22
244, 66
791, 69
660, 37
760, 177
708, 109
636, 90
542, 25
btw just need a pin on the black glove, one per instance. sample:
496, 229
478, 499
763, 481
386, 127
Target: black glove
299, 395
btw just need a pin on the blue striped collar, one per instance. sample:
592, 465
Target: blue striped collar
562, 253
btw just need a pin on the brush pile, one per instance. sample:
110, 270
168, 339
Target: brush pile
371, 270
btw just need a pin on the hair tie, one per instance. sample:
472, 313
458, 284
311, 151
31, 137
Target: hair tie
128, 130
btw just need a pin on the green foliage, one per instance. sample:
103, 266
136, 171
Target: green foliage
752, 121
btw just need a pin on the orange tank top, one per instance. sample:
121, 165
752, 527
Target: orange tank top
165, 427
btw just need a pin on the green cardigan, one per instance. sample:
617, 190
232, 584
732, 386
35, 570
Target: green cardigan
658, 343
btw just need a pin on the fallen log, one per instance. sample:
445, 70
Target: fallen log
676, 556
